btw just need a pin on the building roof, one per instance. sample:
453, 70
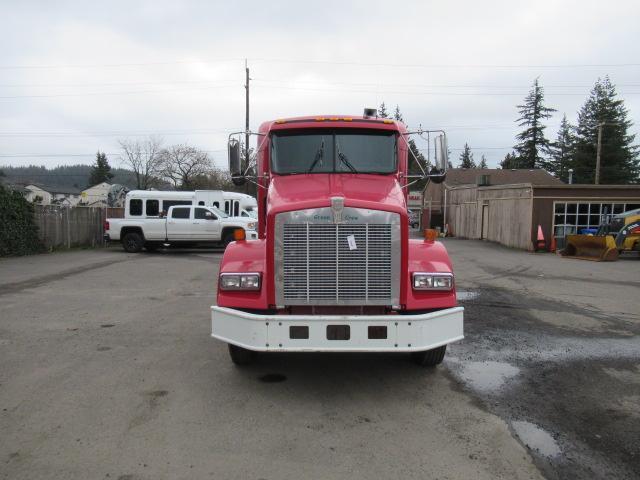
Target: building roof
499, 176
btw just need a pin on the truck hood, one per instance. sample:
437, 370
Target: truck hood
297, 192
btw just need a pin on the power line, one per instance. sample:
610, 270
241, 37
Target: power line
134, 92
47, 155
378, 92
116, 65
114, 133
322, 62
433, 85
444, 65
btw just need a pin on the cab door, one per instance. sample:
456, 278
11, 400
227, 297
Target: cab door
179, 223
206, 226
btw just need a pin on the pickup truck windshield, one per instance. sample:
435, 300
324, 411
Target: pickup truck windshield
333, 151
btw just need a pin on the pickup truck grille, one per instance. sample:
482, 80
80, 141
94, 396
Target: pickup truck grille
338, 264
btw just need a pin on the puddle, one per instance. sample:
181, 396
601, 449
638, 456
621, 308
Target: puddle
466, 295
536, 438
487, 376
272, 378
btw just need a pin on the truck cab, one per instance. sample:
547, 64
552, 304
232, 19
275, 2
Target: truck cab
334, 268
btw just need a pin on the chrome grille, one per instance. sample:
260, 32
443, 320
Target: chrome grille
319, 267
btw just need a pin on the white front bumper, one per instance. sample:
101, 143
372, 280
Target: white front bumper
405, 333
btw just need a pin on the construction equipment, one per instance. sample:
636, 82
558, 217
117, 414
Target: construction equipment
621, 233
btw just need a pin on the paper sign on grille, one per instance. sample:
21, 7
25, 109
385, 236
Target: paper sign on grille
351, 240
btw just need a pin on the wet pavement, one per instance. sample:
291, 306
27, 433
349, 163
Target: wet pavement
552, 346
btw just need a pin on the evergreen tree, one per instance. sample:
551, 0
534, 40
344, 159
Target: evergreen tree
483, 162
466, 158
101, 170
532, 144
619, 161
397, 115
382, 111
510, 161
562, 151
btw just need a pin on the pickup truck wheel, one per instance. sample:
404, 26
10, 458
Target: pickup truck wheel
132, 242
228, 238
241, 356
429, 358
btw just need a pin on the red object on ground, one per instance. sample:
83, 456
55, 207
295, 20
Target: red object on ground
540, 242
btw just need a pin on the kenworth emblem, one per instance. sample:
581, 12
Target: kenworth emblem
337, 205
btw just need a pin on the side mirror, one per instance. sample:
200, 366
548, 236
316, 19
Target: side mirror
439, 171
235, 163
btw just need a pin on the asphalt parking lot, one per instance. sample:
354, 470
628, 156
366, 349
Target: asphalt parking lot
107, 370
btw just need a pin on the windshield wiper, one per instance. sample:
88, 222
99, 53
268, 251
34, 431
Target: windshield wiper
319, 155
343, 158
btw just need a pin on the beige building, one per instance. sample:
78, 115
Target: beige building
95, 196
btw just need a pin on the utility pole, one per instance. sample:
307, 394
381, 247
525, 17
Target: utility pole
246, 121
598, 151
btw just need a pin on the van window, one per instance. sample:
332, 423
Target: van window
226, 206
180, 212
135, 207
236, 209
170, 203
153, 208
216, 204
201, 202
203, 213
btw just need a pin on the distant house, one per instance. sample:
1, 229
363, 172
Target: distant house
44, 195
95, 196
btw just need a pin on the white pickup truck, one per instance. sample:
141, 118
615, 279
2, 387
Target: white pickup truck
182, 225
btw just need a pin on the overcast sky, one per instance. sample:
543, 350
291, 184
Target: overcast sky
77, 76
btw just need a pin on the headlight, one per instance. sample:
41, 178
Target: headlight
432, 281
251, 226
240, 281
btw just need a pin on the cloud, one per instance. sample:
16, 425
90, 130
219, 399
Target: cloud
177, 68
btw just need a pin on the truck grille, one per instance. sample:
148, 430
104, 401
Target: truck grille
318, 263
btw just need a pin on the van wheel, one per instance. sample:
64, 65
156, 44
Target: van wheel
241, 356
132, 242
429, 358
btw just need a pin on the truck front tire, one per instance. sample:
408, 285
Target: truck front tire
241, 356
429, 358
132, 242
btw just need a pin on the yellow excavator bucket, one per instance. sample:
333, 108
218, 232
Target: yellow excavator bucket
599, 248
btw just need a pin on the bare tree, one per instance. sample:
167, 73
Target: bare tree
143, 157
183, 165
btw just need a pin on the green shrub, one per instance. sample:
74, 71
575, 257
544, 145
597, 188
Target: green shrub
18, 232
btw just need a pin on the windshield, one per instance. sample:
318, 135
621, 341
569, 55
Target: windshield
333, 151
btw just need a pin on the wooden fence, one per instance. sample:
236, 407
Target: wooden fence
72, 226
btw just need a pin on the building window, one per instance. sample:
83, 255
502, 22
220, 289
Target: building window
575, 217
153, 208
135, 207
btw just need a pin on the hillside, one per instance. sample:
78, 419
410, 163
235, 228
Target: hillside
63, 176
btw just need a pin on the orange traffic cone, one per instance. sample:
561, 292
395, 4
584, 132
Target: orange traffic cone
540, 243
552, 248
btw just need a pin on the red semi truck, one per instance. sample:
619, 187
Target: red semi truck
333, 268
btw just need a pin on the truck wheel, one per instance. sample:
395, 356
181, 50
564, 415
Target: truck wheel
429, 358
132, 242
241, 356
227, 239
